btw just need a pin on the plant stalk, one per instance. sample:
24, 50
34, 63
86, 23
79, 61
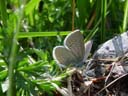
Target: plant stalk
12, 57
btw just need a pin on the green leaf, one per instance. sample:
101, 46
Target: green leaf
38, 66
3, 74
30, 6
41, 54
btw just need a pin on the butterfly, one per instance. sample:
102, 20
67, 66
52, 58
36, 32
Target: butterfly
113, 48
73, 51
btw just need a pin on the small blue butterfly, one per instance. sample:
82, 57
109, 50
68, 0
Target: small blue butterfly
74, 51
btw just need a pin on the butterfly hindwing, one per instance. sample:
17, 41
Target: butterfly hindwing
88, 46
63, 55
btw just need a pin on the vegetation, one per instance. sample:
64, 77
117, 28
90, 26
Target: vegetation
29, 29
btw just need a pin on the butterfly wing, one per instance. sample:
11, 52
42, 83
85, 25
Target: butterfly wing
75, 43
63, 55
88, 46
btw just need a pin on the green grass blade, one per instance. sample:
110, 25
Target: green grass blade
3, 11
125, 16
103, 16
39, 34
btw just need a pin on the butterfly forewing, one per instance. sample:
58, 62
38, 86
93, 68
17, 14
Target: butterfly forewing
63, 56
75, 43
